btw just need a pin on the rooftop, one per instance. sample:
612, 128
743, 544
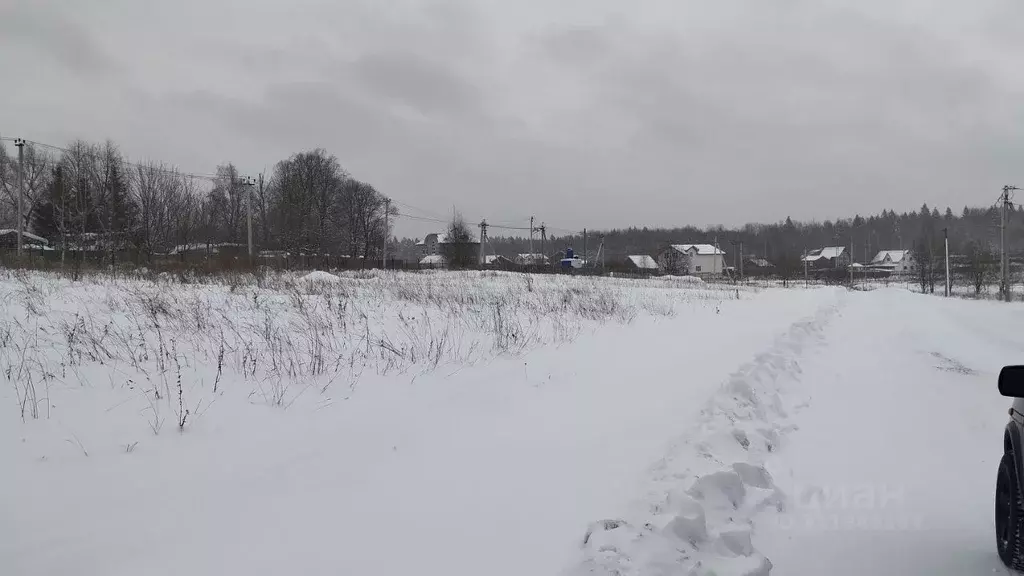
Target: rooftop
643, 261
702, 249
828, 252
895, 256
25, 236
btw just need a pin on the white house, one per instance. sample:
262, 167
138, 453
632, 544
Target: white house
827, 257
896, 261
697, 259
431, 244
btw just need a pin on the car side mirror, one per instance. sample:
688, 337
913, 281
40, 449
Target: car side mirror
1011, 381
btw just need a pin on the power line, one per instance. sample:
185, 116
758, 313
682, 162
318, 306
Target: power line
421, 218
418, 209
94, 155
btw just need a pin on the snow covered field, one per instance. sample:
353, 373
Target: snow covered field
489, 423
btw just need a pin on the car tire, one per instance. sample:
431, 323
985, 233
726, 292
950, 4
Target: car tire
1009, 515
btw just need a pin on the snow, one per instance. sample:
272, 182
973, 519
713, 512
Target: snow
864, 441
684, 279
703, 249
321, 276
204, 247
481, 423
643, 261
893, 468
433, 260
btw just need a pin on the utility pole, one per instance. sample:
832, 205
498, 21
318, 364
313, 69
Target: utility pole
1002, 243
806, 281
714, 261
741, 259
248, 182
483, 240
248, 217
585, 261
531, 239
20, 143
851, 259
835, 262
945, 237
1004, 259
543, 240
263, 211
384, 258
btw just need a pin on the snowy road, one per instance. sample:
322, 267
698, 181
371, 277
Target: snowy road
801, 432
892, 470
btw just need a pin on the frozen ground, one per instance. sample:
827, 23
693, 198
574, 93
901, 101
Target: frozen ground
893, 468
469, 424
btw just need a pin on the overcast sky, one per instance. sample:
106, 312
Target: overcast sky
585, 113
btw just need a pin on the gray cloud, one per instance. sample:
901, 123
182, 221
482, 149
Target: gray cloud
48, 32
584, 114
424, 85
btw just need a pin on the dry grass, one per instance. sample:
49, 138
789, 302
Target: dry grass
178, 337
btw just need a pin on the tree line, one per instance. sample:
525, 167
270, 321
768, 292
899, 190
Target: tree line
88, 196
973, 233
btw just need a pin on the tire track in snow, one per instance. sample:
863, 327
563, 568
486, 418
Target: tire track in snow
696, 519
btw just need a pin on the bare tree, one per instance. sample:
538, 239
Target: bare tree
362, 210
982, 265
927, 262
307, 196
226, 206
114, 205
37, 165
187, 206
788, 266
155, 188
459, 249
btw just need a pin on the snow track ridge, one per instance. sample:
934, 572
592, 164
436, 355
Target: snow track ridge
697, 518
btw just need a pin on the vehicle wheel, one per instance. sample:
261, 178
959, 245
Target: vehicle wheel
1009, 515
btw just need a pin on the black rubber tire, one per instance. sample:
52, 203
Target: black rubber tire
1009, 515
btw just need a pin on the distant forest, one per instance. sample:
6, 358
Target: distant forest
970, 230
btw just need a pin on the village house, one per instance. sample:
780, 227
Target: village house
692, 259
432, 250
431, 245
827, 258
9, 239
894, 261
